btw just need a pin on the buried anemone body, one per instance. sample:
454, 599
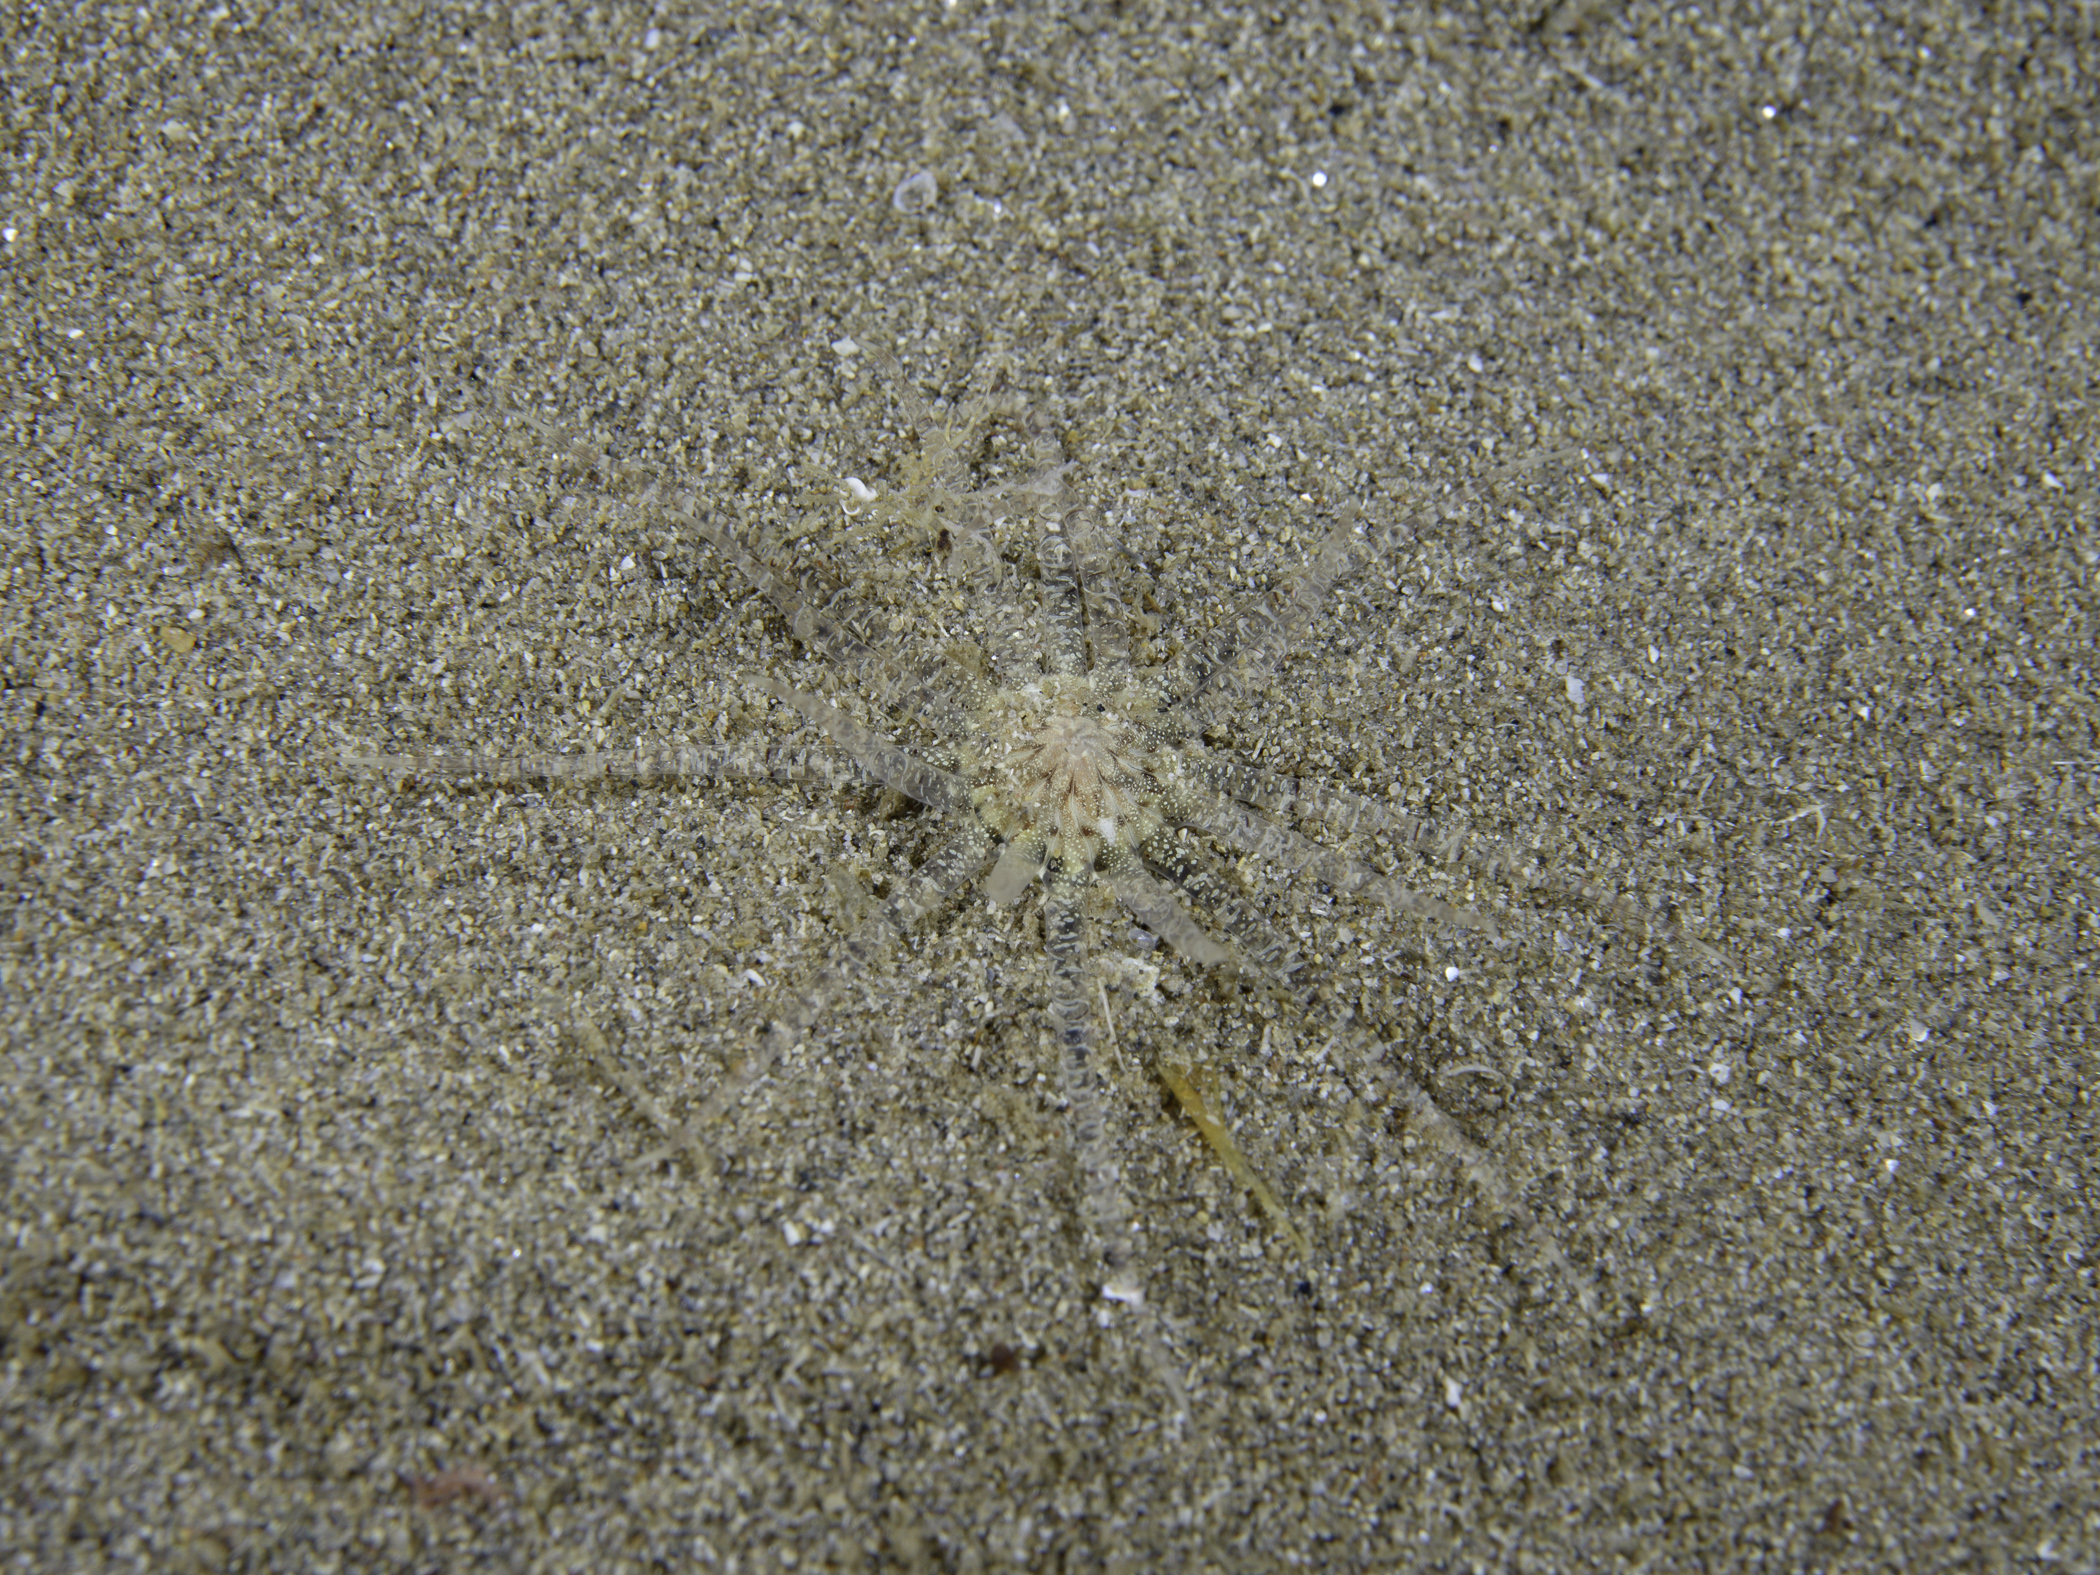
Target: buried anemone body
1058, 749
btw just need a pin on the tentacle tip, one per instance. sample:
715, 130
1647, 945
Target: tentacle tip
1467, 919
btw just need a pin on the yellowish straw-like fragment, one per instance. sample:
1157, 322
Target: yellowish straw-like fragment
1228, 1152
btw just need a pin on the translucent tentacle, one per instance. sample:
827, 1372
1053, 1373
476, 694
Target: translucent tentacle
820, 614
1485, 857
1157, 908
823, 615
1250, 644
937, 439
1092, 560
1013, 643
1107, 610
1104, 1205
1284, 848
952, 865
1020, 862
1268, 951
888, 763
1427, 1117
1012, 631
1064, 637
645, 762
1261, 946
1265, 628
1351, 813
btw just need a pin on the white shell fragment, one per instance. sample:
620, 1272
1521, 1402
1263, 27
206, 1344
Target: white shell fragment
916, 193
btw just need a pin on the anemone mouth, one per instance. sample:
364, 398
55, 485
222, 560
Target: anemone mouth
1066, 773
1079, 780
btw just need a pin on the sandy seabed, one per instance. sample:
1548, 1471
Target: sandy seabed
352, 1210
